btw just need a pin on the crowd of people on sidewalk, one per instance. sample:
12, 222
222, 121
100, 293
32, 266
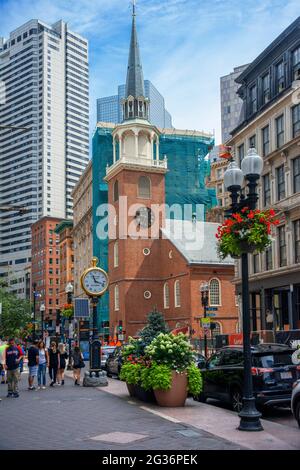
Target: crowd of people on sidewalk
12, 355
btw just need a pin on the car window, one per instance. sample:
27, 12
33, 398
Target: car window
272, 360
232, 357
215, 360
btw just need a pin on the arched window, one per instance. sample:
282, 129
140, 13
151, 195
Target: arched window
117, 302
217, 330
116, 191
177, 293
144, 187
116, 254
214, 292
166, 295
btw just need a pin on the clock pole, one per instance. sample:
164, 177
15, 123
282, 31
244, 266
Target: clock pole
89, 282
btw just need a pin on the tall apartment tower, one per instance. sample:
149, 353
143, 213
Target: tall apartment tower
109, 108
231, 103
44, 78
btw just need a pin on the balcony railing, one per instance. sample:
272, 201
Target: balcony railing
138, 161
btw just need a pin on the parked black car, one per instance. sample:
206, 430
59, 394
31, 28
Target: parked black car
295, 403
114, 362
272, 370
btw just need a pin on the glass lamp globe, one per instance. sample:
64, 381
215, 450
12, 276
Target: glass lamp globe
252, 164
233, 176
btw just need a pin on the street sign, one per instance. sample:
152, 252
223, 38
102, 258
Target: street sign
211, 314
211, 309
205, 322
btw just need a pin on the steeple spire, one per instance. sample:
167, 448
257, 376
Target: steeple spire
135, 80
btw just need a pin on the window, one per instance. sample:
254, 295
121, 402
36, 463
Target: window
214, 292
116, 191
279, 76
116, 254
265, 140
280, 182
253, 99
217, 330
266, 190
241, 152
117, 303
255, 264
296, 174
166, 295
296, 120
296, 63
177, 293
279, 131
252, 141
282, 246
232, 357
144, 187
215, 360
265, 88
296, 225
269, 260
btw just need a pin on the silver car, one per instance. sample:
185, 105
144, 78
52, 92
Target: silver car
295, 403
105, 352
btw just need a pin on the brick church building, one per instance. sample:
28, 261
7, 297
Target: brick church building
156, 261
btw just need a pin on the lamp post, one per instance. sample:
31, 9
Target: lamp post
69, 290
251, 169
34, 308
42, 310
204, 289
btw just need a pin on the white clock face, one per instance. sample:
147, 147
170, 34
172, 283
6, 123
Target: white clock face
95, 281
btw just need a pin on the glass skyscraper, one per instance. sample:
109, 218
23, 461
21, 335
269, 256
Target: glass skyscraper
109, 108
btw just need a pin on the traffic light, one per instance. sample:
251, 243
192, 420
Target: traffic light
120, 327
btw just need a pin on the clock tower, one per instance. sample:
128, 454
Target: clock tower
136, 197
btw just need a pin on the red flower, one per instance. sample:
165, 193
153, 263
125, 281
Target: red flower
245, 209
276, 222
272, 213
251, 215
237, 217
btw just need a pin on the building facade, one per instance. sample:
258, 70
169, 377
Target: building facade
231, 103
45, 268
45, 76
66, 259
83, 227
109, 109
271, 122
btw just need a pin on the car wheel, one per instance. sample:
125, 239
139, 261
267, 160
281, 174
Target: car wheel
297, 413
236, 399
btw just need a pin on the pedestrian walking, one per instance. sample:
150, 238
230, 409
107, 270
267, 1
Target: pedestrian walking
3, 346
78, 364
43, 363
53, 363
21, 348
63, 356
13, 357
33, 363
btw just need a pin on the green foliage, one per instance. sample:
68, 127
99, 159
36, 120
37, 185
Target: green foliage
134, 350
195, 383
131, 373
16, 314
156, 324
159, 376
173, 351
146, 382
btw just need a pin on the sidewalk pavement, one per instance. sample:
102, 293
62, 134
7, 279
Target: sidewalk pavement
219, 422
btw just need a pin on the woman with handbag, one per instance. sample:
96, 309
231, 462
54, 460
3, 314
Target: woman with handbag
78, 364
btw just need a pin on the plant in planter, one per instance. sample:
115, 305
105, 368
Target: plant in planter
172, 373
67, 311
246, 232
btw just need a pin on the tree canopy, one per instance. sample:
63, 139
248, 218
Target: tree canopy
16, 315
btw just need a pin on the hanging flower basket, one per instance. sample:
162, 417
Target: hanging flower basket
246, 232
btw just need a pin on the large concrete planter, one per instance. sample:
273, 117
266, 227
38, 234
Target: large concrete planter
177, 394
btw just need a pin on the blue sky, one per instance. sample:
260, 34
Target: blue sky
186, 45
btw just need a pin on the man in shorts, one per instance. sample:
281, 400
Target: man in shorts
33, 354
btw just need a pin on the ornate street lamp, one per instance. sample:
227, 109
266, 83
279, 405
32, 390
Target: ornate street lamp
204, 289
42, 310
69, 291
252, 166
